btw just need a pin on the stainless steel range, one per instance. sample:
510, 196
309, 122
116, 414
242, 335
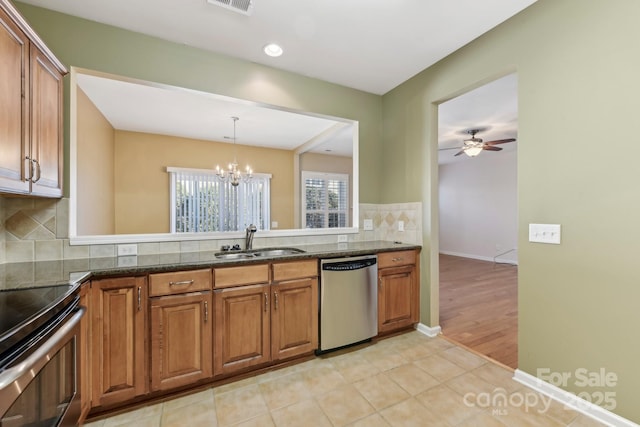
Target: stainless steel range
39, 332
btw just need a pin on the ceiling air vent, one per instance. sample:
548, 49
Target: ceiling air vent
241, 6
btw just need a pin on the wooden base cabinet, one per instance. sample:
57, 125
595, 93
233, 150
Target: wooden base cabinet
118, 342
398, 290
260, 323
242, 328
294, 318
181, 331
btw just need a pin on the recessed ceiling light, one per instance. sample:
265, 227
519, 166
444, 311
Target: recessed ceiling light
273, 50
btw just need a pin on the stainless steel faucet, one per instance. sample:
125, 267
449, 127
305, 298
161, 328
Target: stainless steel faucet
248, 238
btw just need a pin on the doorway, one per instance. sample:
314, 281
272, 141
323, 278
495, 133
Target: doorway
477, 172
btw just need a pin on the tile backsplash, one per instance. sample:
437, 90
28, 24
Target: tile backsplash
37, 230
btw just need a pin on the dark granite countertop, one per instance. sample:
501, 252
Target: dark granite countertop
46, 273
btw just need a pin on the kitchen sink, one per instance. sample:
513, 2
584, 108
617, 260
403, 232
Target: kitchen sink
258, 253
277, 252
235, 255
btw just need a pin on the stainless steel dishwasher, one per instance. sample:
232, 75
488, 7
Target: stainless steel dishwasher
348, 301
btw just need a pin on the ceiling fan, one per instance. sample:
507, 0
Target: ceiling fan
474, 146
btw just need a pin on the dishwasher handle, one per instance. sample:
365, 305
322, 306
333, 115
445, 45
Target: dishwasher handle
349, 265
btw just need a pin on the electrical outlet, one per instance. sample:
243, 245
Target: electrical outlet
129, 249
367, 225
400, 225
342, 238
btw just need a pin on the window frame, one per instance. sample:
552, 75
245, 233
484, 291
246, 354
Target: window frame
266, 202
325, 176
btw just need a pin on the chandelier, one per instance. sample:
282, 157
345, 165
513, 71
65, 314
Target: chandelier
232, 174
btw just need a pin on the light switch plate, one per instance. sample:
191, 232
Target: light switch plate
545, 233
367, 225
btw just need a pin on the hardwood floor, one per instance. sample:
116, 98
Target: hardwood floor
479, 306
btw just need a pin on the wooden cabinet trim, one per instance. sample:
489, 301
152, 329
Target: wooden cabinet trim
179, 282
294, 269
241, 275
393, 259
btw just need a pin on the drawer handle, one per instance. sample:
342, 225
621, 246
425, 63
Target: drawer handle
397, 259
182, 283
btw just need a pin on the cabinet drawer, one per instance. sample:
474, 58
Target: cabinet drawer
237, 276
179, 282
295, 270
394, 259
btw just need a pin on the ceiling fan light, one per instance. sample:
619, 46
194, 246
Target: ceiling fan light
473, 151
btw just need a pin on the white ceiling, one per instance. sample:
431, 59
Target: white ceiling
166, 110
371, 45
493, 107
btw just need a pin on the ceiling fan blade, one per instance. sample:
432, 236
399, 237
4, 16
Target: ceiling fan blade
491, 148
500, 141
458, 153
450, 148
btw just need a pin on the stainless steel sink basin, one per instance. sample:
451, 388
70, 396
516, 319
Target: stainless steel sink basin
235, 255
277, 252
259, 253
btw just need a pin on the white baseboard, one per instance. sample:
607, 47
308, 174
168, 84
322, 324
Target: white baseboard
430, 331
580, 405
480, 257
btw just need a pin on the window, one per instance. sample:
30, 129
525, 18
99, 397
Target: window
201, 203
326, 200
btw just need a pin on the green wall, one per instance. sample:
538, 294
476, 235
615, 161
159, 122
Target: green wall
578, 65
87, 44
579, 94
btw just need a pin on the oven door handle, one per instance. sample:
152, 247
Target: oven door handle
15, 379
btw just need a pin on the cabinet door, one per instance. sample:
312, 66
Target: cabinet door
397, 296
181, 351
46, 126
14, 93
294, 318
242, 328
118, 321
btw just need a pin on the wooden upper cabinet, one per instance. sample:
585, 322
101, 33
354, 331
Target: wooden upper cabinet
46, 127
14, 92
181, 339
31, 136
118, 339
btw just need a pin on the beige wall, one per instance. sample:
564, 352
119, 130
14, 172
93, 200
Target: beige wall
142, 182
95, 186
578, 98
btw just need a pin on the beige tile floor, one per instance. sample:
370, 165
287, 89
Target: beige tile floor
406, 380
